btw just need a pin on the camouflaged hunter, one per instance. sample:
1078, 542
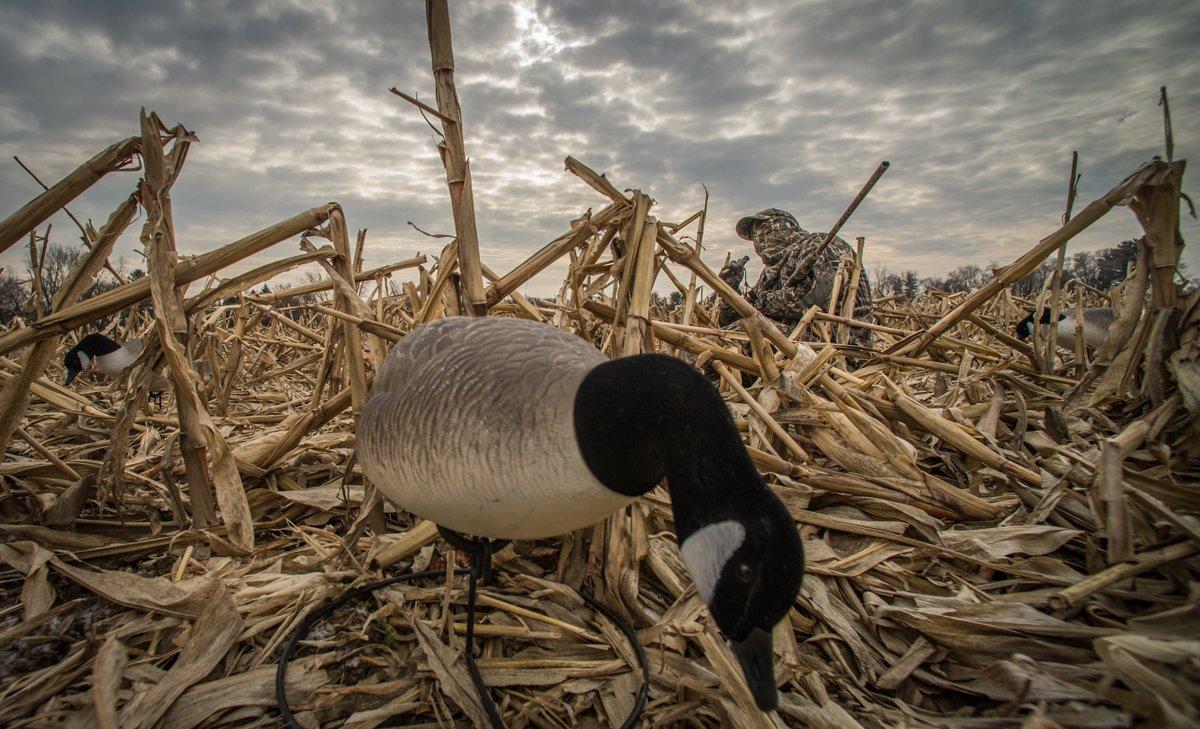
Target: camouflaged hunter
788, 285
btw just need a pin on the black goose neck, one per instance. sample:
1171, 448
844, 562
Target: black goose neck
1046, 313
640, 418
96, 345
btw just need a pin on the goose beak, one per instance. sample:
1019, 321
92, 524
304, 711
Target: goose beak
758, 666
70, 377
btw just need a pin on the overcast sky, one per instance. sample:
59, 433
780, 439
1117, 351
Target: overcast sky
791, 104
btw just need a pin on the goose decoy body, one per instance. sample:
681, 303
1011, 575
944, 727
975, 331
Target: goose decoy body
510, 429
1096, 323
161, 383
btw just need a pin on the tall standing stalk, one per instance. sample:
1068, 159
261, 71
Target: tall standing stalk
454, 156
1056, 279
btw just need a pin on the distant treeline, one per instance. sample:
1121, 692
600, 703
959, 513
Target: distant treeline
1100, 269
19, 297
18, 294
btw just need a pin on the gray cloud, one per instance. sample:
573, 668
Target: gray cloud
977, 104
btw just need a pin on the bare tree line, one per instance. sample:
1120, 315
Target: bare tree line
20, 297
1100, 269
27, 293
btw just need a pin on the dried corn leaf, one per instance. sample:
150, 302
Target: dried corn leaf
453, 679
214, 632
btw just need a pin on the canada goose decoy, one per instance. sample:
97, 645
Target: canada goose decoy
110, 357
1096, 323
510, 429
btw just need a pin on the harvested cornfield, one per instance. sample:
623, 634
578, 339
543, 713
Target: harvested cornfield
988, 539
998, 533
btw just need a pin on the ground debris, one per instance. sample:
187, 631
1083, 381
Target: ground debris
995, 537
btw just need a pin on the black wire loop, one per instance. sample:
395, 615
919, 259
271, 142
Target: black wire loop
480, 552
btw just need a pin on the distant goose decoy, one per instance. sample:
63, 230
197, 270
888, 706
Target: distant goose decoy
510, 429
110, 357
1096, 323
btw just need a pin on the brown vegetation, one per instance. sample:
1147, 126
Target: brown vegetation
998, 534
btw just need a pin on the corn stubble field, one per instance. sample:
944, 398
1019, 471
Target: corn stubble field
998, 533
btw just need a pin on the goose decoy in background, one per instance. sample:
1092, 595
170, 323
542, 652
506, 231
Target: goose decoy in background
510, 429
110, 357
1096, 323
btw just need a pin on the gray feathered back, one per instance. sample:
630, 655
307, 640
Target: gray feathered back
470, 424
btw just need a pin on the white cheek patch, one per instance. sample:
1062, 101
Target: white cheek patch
707, 550
83, 360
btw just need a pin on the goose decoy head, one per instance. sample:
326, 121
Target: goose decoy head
1025, 326
81, 355
75, 361
640, 418
749, 570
